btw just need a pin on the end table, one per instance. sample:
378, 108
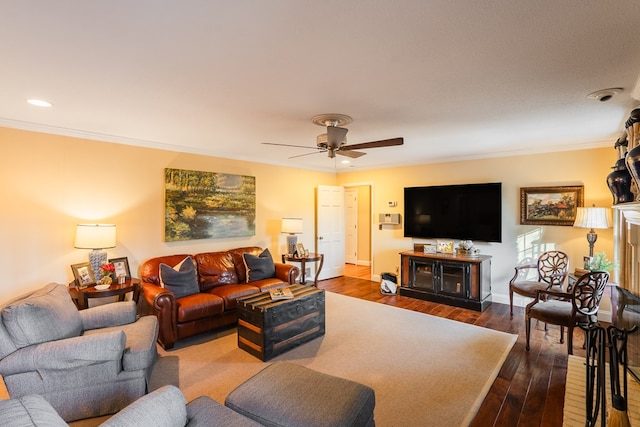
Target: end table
80, 296
303, 260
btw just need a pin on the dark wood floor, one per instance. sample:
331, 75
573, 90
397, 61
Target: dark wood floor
529, 390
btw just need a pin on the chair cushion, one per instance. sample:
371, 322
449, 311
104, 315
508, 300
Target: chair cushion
45, 315
181, 279
528, 288
555, 312
31, 410
259, 267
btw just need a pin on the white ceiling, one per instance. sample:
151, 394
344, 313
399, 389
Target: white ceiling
457, 79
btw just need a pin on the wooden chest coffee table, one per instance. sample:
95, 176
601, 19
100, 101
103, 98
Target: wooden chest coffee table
267, 328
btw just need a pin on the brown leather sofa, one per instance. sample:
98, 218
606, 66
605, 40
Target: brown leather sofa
221, 279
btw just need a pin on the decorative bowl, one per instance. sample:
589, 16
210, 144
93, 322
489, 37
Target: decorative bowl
102, 287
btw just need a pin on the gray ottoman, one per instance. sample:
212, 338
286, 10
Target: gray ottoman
286, 394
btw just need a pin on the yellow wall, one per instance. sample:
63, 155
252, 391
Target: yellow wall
585, 167
51, 183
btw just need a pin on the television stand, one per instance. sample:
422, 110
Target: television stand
461, 281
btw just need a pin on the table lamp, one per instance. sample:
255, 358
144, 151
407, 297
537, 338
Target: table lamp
96, 237
292, 226
593, 218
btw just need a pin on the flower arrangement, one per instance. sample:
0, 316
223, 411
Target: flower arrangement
107, 270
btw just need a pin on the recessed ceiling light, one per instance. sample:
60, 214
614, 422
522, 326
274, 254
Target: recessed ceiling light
345, 162
39, 103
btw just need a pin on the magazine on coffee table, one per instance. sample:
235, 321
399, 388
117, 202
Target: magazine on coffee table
282, 293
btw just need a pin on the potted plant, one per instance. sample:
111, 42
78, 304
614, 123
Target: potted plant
599, 262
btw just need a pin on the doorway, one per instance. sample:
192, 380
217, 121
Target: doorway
358, 231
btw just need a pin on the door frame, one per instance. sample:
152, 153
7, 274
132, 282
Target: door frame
369, 184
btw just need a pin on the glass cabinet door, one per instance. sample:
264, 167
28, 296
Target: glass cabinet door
424, 274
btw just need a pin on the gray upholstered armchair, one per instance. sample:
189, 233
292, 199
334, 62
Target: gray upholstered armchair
84, 363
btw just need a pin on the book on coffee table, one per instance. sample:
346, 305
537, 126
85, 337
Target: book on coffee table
282, 293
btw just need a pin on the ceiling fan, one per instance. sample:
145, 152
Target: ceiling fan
334, 141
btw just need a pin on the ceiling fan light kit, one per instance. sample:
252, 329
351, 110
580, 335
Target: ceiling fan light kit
334, 141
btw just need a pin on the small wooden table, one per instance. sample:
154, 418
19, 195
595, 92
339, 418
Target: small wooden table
303, 260
81, 296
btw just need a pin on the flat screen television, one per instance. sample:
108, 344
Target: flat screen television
465, 212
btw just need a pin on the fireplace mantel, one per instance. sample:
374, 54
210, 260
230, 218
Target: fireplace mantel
626, 229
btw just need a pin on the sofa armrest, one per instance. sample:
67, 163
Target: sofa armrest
69, 353
164, 406
108, 315
288, 273
30, 410
161, 303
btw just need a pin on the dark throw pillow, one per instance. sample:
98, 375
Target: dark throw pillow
181, 279
259, 267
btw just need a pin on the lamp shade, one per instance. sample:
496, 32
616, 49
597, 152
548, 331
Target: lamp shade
95, 236
593, 217
292, 225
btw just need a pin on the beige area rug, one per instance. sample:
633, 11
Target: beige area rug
575, 395
425, 370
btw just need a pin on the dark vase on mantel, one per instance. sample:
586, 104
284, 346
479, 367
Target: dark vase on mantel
619, 182
633, 156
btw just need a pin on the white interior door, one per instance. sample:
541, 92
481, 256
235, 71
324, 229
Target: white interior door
351, 225
330, 230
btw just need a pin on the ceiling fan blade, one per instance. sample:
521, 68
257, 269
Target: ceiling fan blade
374, 144
289, 145
351, 154
307, 154
335, 135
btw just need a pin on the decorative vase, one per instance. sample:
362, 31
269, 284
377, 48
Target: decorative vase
633, 156
619, 182
106, 280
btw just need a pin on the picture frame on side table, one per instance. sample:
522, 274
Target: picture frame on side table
122, 267
444, 246
550, 205
300, 251
83, 275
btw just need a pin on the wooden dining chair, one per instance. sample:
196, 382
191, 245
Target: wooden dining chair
552, 269
577, 306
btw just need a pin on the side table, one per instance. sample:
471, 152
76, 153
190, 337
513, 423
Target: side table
303, 260
81, 296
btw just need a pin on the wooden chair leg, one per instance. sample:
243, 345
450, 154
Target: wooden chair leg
570, 339
561, 334
527, 328
510, 301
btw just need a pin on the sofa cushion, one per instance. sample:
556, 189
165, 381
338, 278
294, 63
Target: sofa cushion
216, 269
259, 267
199, 306
48, 314
181, 279
31, 410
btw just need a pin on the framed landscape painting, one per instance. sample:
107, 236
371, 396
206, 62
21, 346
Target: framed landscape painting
208, 205
550, 205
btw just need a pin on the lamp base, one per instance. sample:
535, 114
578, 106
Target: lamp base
592, 236
97, 257
292, 239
